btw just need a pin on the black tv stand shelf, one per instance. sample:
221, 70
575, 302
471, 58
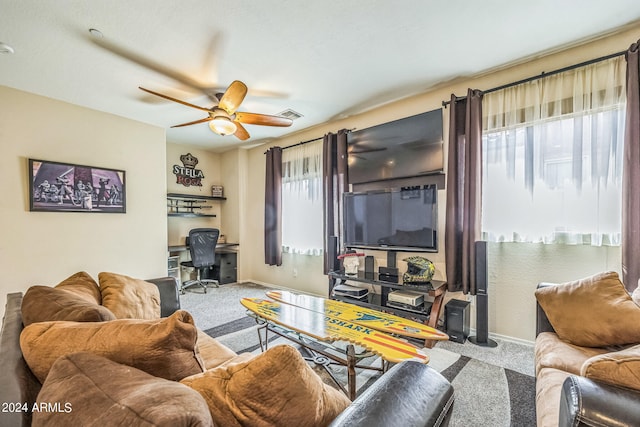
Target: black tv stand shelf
429, 315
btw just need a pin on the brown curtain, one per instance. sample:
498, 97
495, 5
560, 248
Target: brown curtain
335, 183
631, 175
464, 185
273, 207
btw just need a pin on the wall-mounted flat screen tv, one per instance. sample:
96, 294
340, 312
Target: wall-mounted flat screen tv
408, 147
402, 219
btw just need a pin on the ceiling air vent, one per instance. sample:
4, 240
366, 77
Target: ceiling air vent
290, 114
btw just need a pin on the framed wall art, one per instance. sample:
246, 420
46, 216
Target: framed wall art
65, 187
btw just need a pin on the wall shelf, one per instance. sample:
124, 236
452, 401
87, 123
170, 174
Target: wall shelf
189, 205
178, 196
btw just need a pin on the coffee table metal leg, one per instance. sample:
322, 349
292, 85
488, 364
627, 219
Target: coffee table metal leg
264, 344
351, 371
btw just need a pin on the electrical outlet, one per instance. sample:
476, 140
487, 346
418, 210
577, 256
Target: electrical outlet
295, 272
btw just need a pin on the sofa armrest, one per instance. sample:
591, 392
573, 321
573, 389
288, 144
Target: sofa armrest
169, 295
584, 402
18, 386
409, 394
542, 322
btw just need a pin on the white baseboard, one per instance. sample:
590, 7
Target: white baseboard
472, 332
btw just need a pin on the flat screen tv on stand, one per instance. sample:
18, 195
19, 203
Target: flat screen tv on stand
401, 219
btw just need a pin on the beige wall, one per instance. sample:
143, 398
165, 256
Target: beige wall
514, 269
209, 163
47, 247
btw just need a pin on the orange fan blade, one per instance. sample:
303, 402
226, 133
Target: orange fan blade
206, 119
233, 97
263, 119
241, 133
174, 99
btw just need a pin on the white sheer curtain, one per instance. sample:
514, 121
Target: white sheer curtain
552, 158
302, 199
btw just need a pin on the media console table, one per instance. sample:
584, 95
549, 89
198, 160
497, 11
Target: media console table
379, 301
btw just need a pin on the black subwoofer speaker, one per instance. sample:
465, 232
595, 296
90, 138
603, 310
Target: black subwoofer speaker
456, 314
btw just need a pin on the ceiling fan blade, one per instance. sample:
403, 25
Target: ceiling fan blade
241, 133
147, 63
195, 122
175, 100
263, 119
233, 97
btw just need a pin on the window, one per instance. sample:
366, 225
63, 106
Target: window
552, 158
302, 199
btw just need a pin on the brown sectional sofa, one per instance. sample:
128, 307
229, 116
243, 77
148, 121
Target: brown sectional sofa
162, 370
583, 376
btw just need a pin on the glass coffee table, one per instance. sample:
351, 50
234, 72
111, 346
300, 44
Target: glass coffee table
330, 340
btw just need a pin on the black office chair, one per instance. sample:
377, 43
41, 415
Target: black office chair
202, 246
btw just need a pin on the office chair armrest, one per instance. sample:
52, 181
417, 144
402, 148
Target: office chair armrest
169, 295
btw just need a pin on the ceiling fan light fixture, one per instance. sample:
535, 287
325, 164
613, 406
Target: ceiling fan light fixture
222, 126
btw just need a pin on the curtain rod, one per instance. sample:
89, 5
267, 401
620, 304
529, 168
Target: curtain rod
301, 143
308, 141
543, 74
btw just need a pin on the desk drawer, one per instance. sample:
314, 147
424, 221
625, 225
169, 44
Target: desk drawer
173, 262
228, 278
227, 263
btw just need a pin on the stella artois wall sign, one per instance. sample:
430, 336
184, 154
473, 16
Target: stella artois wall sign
187, 174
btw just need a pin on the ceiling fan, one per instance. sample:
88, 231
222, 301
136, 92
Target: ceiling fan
224, 119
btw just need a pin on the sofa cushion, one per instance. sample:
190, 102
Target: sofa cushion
91, 390
595, 311
83, 285
44, 304
552, 352
275, 388
548, 390
212, 351
165, 347
619, 368
129, 298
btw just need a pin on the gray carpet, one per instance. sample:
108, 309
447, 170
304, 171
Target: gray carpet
493, 386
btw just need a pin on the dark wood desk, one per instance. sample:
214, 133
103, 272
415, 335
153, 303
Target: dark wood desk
220, 247
226, 264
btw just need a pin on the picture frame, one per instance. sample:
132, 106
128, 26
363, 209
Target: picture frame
68, 187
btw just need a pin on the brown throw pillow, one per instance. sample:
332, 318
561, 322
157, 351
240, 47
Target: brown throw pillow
165, 348
129, 298
82, 285
45, 304
595, 311
619, 368
275, 388
91, 390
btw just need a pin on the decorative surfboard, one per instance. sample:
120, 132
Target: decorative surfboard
326, 328
371, 318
